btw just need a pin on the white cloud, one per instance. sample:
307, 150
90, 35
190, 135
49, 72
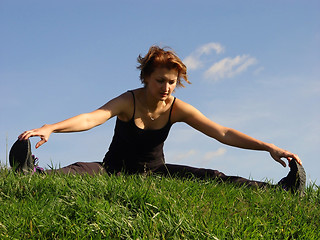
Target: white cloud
207, 48
258, 70
229, 67
194, 61
213, 154
184, 155
225, 68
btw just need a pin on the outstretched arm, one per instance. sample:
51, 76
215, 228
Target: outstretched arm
193, 117
78, 123
82, 122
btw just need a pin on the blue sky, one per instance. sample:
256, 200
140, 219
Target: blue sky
254, 66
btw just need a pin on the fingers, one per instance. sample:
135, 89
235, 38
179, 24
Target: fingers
296, 157
278, 159
279, 153
282, 163
289, 156
42, 141
32, 133
26, 135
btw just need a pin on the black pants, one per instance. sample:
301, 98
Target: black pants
174, 170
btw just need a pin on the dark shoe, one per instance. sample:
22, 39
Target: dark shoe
295, 181
20, 157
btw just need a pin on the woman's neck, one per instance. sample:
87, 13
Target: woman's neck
151, 103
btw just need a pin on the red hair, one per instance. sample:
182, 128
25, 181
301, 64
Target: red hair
158, 57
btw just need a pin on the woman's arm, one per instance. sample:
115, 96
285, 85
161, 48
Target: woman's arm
193, 117
82, 122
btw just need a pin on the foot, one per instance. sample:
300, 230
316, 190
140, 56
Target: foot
20, 157
295, 181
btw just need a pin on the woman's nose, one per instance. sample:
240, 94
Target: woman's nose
165, 87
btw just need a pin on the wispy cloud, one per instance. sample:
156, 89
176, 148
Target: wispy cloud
225, 68
202, 157
205, 158
185, 155
213, 154
229, 67
194, 61
207, 48
258, 70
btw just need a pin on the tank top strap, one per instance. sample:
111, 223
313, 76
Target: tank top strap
134, 103
171, 109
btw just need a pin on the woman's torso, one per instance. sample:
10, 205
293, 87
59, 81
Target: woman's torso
137, 144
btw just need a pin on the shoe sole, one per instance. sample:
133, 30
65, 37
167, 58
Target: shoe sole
18, 154
301, 176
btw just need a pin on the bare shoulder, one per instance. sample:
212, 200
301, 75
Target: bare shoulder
125, 97
121, 106
119, 100
182, 111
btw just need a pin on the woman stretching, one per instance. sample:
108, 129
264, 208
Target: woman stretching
144, 118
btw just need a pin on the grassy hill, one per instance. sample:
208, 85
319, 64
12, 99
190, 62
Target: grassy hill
153, 207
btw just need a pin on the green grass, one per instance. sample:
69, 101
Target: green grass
153, 207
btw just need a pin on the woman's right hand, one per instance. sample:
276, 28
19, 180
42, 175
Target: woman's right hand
44, 133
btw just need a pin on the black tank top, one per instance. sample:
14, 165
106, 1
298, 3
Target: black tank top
134, 149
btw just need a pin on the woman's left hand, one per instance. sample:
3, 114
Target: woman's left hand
278, 153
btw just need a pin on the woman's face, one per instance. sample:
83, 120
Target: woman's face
161, 82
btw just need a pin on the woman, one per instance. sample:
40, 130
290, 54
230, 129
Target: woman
144, 118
